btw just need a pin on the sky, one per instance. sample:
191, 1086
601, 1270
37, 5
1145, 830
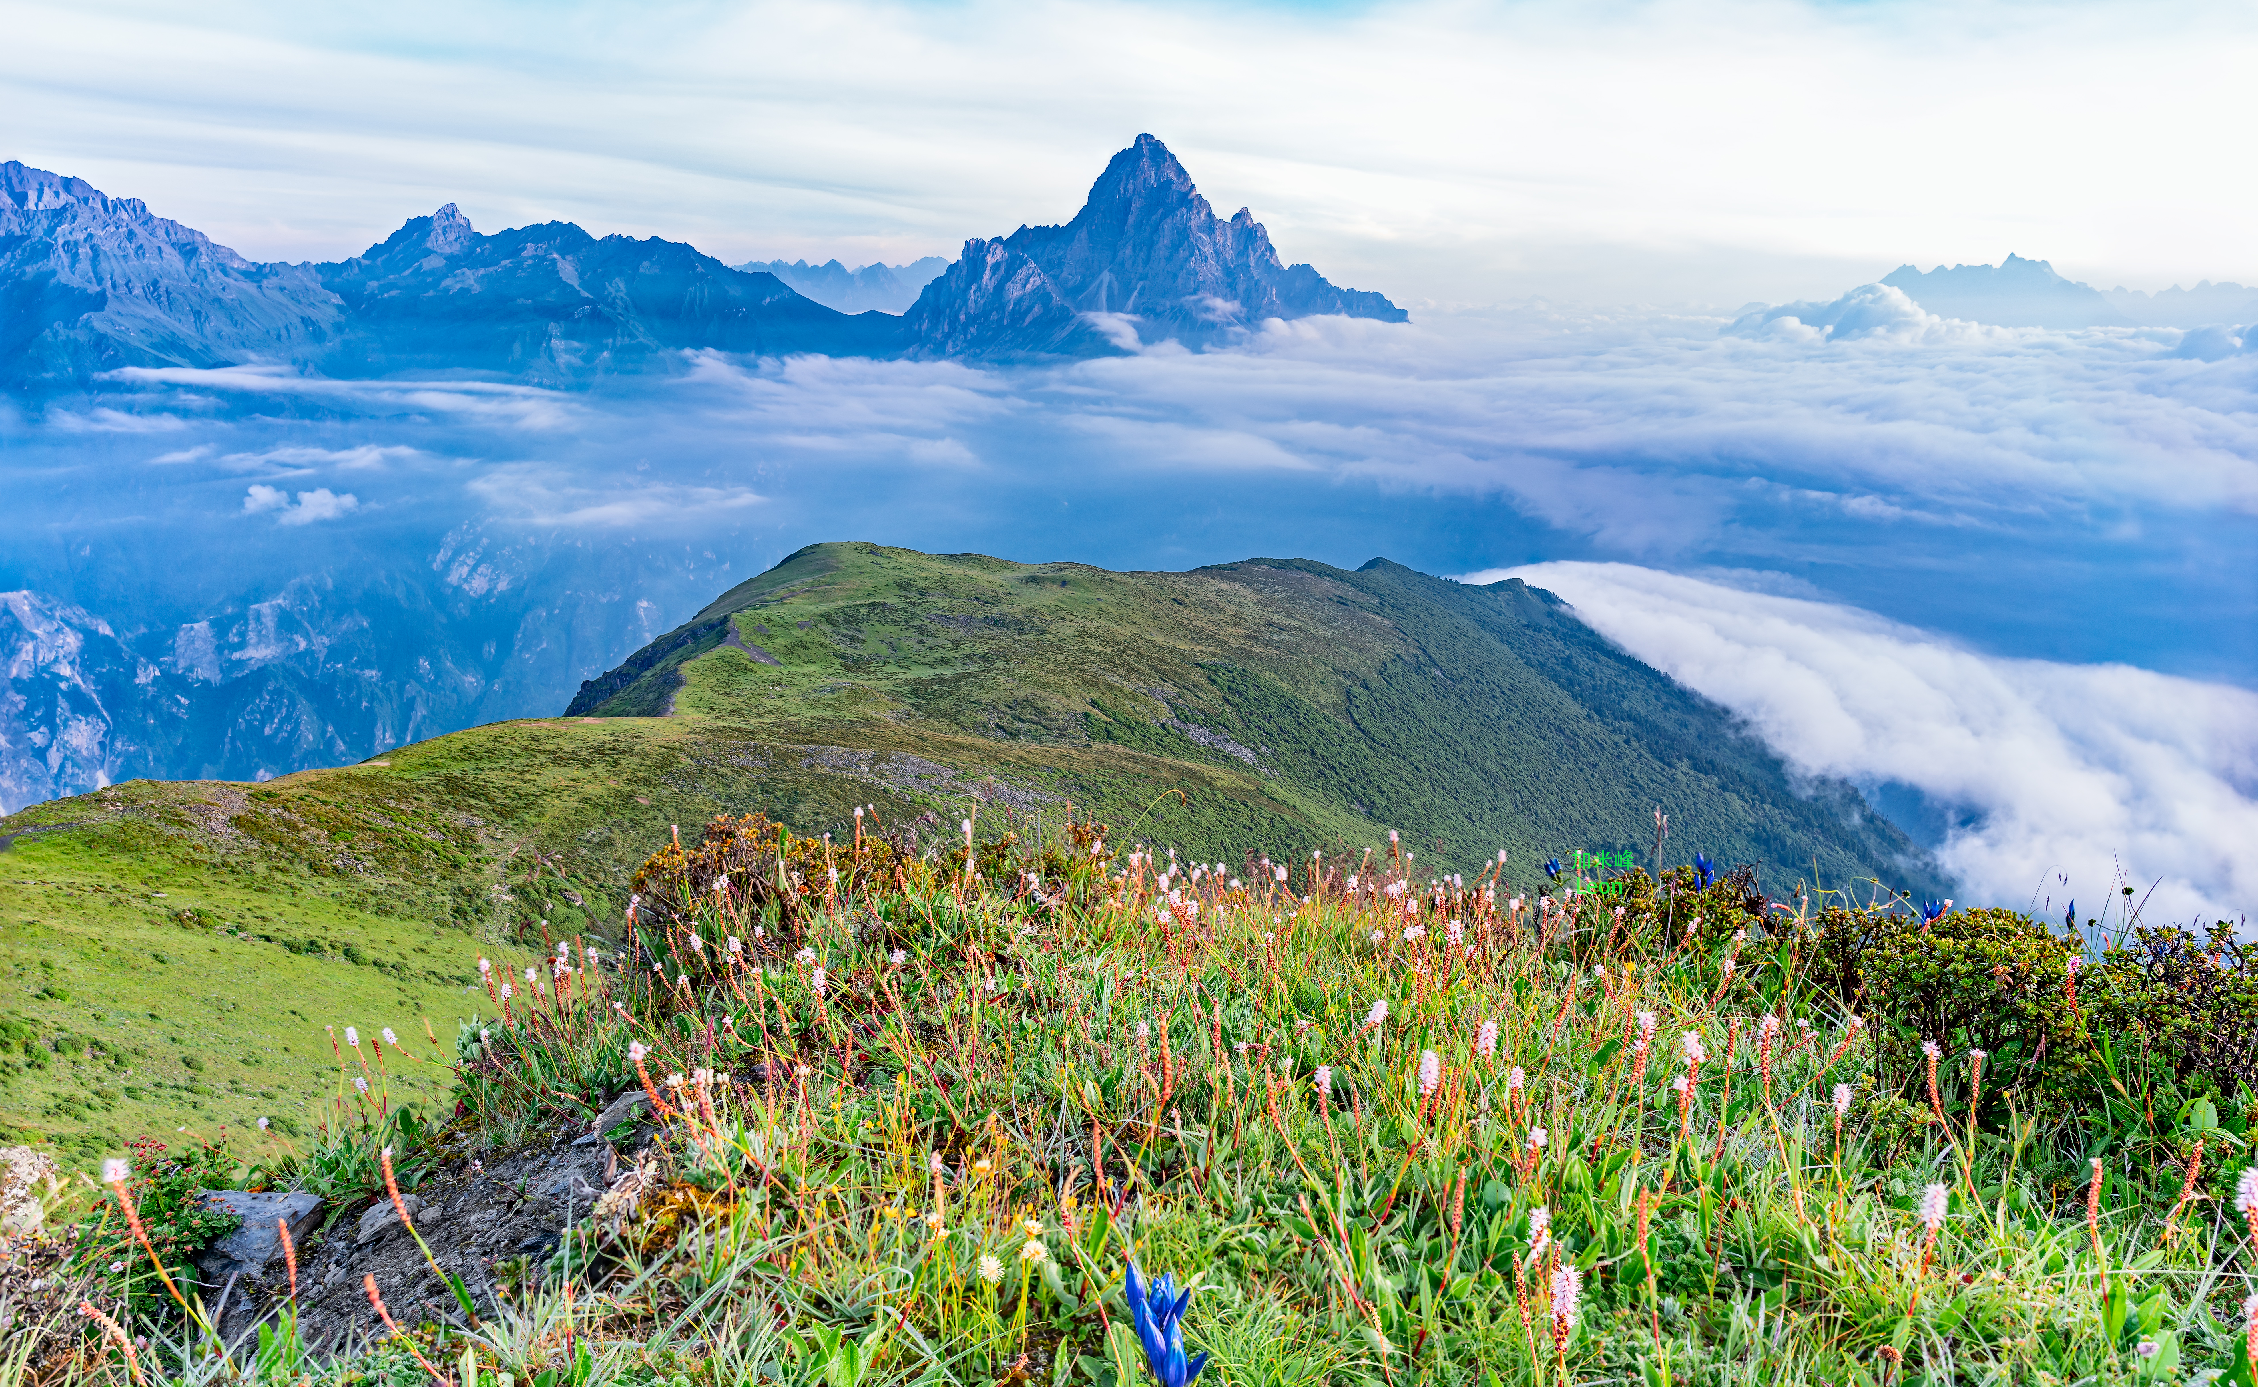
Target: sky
2001, 578
1448, 154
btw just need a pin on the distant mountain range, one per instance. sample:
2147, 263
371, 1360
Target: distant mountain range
884, 288
2029, 293
93, 283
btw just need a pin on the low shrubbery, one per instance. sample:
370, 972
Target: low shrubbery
917, 1114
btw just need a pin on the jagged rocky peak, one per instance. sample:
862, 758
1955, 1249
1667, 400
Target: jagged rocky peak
1147, 255
451, 231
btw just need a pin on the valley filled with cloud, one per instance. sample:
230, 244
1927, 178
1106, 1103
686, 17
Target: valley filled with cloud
1877, 545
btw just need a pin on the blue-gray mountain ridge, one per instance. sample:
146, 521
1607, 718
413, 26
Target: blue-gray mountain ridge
92, 284
886, 288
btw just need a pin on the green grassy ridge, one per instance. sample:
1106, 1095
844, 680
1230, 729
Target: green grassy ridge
929, 687
1470, 718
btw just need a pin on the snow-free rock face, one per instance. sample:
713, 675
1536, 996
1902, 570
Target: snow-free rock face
1145, 249
91, 283
553, 302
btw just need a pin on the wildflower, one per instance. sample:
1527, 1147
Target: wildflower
1567, 1291
1415, 933
934, 1163
1159, 1314
116, 1267
1933, 910
1352, 882
1378, 1016
2070, 916
898, 957
1538, 1136
933, 1221
637, 1051
1376, 936
697, 945
1240, 1046
1705, 871
991, 1270
485, 966
352, 1037
1485, 1040
506, 992
1695, 1054
391, 1039
529, 975
1032, 1252
116, 1171
262, 1124
2245, 1190
1540, 1230
736, 945
1933, 1200
2146, 1348
1455, 932
1842, 1103
805, 956
819, 980
1931, 1049
1728, 970
1144, 1030
1552, 868
1323, 1078
1678, 1085
1430, 1072
1514, 1078
360, 1085
1647, 1021
1768, 1027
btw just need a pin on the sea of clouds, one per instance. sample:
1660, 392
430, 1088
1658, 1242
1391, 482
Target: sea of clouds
2006, 568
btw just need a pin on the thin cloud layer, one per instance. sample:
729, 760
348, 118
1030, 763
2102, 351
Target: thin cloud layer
2073, 769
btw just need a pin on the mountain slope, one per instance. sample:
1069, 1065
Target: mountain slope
553, 301
2014, 293
1332, 705
91, 283
1145, 245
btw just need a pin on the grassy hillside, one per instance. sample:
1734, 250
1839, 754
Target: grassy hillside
1323, 705
174, 949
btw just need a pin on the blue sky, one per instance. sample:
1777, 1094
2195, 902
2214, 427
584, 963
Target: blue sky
1447, 153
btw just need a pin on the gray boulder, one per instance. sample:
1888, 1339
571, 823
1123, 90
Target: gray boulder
258, 1243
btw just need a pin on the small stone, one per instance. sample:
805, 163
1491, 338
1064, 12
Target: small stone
257, 1243
381, 1218
623, 1108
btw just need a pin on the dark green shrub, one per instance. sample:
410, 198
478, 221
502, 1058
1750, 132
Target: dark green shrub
2190, 1004
1991, 980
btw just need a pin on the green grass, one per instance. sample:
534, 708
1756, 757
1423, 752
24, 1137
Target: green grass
1468, 718
1103, 1072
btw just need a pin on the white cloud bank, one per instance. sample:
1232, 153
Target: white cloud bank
318, 504
2066, 768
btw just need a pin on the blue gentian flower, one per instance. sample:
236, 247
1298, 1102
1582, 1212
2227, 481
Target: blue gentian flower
1159, 1313
1704, 870
1933, 910
1552, 868
2070, 916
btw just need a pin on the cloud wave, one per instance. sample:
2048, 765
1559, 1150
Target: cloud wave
2064, 768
